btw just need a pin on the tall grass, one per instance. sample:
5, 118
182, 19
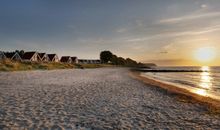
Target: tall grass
8, 65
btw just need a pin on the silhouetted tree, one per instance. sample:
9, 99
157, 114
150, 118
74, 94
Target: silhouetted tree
21, 52
130, 62
105, 56
121, 61
114, 60
108, 57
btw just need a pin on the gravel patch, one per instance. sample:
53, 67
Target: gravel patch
104, 98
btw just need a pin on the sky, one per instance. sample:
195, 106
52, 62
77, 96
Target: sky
167, 32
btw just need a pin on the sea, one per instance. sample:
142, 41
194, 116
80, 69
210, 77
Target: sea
205, 83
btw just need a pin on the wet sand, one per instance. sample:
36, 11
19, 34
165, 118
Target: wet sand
105, 98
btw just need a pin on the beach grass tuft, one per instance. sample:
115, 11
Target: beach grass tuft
8, 65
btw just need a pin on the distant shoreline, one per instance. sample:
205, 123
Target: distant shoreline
181, 93
167, 70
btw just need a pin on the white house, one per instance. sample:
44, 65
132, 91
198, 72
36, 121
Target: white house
31, 56
13, 56
53, 57
2, 55
74, 60
66, 59
89, 61
44, 57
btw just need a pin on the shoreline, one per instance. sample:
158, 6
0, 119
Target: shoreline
181, 93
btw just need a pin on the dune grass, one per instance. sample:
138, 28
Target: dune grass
8, 65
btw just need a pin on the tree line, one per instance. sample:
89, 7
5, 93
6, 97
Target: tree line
20, 52
107, 57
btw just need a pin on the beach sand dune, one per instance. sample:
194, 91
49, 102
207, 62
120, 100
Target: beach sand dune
105, 98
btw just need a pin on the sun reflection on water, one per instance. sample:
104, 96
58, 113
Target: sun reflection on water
205, 68
201, 92
205, 82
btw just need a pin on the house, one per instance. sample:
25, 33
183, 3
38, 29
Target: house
74, 60
66, 59
53, 57
89, 61
31, 56
2, 55
97, 61
44, 57
13, 56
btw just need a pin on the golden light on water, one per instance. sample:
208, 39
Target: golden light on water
205, 78
201, 92
205, 54
205, 68
205, 82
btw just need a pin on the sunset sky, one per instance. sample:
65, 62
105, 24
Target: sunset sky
167, 32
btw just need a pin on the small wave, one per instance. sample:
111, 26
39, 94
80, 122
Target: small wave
184, 82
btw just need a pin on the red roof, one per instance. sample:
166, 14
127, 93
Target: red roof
41, 55
51, 56
73, 58
9, 54
64, 58
28, 55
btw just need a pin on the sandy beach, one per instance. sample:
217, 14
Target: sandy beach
104, 98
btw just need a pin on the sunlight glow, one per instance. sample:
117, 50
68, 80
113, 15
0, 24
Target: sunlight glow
206, 79
205, 54
201, 92
205, 68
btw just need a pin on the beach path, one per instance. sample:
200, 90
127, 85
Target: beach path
104, 98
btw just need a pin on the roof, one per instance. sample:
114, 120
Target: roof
41, 54
89, 59
28, 55
73, 58
65, 58
9, 54
51, 56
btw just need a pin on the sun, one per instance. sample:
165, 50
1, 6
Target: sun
205, 54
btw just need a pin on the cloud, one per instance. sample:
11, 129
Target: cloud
163, 52
176, 34
203, 6
189, 17
121, 30
168, 48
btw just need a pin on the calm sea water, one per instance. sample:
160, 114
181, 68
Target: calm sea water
206, 83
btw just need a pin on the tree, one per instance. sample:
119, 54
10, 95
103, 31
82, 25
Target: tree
21, 52
121, 61
130, 62
105, 56
114, 60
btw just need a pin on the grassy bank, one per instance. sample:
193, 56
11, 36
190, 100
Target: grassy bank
8, 65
